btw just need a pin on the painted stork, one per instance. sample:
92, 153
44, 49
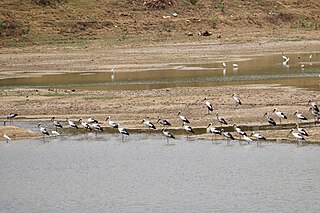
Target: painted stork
297, 136
228, 135
11, 116
85, 125
313, 105
315, 114
213, 130
123, 132
72, 124
188, 128
239, 131
302, 131
43, 130
259, 137
91, 120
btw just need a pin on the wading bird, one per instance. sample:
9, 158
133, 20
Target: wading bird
11, 116
188, 128
6, 137
302, 131
221, 120
43, 130
236, 99
111, 123
300, 116
297, 136
313, 105
224, 64
239, 131
55, 133
91, 120
148, 124
208, 104
213, 130
315, 115
85, 125
279, 114
259, 138
123, 132
270, 120
164, 122
72, 124
167, 134
182, 118
56, 123
227, 135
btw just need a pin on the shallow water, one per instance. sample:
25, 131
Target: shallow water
267, 69
88, 173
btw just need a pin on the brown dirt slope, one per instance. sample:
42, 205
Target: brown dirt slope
25, 22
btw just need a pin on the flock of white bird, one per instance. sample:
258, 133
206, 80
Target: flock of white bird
93, 125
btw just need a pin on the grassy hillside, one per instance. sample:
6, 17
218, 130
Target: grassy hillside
27, 22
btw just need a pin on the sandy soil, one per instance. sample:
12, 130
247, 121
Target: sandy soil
129, 107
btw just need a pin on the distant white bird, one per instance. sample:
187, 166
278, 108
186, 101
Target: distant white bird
182, 118
209, 105
228, 135
11, 116
279, 114
85, 125
259, 137
302, 130
313, 105
91, 120
302, 66
56, 123
97, 127
148, 124
43, 130
270, 120
167, 134
6, 137
300, 116
310, 57
55, 133
239, 131
213, 130
247, 138
72, 124
224, 64
188, 128
285, 60
111, 123
123, 132
221, 120
235, 65
164, 122
297, 136
315, 115
236, 99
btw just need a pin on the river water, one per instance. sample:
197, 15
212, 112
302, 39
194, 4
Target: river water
261, 69
88, 173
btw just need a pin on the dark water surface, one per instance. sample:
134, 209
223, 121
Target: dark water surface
267, 69
88, 173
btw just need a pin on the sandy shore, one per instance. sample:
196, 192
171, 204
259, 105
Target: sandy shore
129, 107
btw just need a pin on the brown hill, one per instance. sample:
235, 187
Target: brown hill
115, 22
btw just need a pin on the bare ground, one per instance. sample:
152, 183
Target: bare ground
129, 107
